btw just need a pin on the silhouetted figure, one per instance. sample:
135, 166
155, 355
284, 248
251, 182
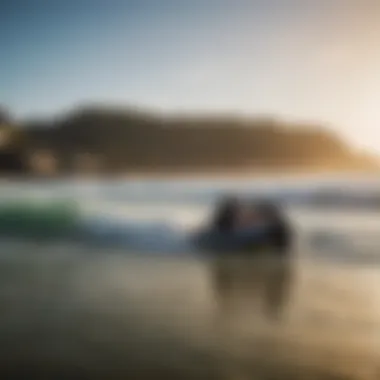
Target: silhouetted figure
280, 237
223, 222
265, 271
278, 248
224, 219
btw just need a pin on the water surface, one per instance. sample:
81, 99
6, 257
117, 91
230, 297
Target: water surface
133, 311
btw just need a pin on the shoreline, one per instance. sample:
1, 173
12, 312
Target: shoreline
222, 174
254, 174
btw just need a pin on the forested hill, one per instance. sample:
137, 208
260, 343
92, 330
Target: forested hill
129, 140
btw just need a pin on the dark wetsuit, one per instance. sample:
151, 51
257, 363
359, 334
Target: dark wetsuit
281, 236
225, 218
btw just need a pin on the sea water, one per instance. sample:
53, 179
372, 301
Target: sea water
148, 306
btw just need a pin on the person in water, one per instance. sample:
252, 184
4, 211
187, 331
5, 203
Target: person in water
231, 215
273, 277
225, 217
247, 218
280, 235
247, 227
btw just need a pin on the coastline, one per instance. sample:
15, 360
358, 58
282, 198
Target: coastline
194, 175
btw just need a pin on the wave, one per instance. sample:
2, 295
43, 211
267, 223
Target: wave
143, 236
157, 216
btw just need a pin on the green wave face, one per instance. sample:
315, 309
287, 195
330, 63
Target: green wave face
37, 219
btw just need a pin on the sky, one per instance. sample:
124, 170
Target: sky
303, 60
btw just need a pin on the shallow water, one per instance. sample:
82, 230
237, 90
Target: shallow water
98, 313
87, 311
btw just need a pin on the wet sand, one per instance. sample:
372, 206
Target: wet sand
75, 313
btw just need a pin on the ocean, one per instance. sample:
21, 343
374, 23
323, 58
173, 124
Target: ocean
149, 305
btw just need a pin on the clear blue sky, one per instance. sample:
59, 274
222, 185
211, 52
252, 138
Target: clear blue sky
298, 59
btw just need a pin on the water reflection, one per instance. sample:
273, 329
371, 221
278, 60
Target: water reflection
86, 314
240, 281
